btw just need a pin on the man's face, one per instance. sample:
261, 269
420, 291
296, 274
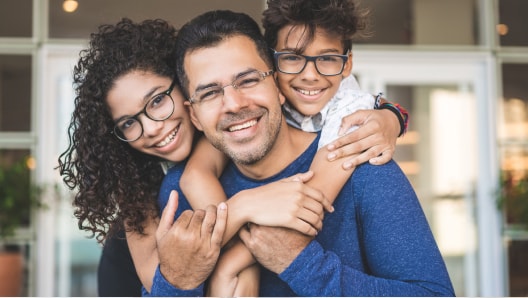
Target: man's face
243, 123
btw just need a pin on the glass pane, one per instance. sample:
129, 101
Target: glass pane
517, 260
513, 22
90, 14
422, 22
15, 92
513, 140
15, 18
438, 158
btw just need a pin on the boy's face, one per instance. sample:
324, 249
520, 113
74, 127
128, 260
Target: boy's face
309, 91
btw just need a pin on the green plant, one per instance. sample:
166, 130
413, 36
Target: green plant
17, 196
513, 198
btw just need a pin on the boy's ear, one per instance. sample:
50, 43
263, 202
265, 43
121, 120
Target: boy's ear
347, 70
192, 115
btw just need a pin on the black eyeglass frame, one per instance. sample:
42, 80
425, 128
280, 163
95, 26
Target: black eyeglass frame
117, 132
307, 58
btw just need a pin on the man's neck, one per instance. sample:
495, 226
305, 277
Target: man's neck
289, 145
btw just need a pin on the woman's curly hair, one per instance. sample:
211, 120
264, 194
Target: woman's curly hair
116, 184
341, 18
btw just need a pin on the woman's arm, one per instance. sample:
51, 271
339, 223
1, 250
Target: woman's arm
199, 181
144, 252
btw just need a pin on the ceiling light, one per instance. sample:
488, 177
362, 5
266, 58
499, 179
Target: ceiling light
70, 5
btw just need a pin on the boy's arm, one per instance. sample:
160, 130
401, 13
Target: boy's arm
199, 181
378, 136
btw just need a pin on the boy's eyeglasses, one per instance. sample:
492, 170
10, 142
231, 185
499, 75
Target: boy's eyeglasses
160, 107
326, 65
241, 83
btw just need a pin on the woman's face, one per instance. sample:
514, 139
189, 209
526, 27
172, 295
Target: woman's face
170, 139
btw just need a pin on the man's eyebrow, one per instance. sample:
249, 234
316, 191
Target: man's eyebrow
214, 84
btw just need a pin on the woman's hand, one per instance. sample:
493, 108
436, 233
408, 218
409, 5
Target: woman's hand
373, 141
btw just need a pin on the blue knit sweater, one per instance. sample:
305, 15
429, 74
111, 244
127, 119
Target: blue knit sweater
377, 242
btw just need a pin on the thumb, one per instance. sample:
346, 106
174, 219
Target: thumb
303, 177
167, 216
355, 119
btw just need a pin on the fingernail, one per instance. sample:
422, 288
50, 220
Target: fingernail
347, 165
331, 156
222, 206
330, 147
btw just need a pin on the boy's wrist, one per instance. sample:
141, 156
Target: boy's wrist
401, 114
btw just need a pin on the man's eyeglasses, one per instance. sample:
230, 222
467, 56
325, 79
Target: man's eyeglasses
242, 83
327, 65
160, 107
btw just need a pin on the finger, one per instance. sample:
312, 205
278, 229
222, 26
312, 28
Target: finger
362, 158
355, 119
384, 158
318, 197
208, 222
167, 216
302, 177
245, 236
195, 225
349, 145
220, 225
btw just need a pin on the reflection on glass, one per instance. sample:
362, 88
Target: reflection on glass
16, 18
15, 92
90, 14
422, 22
437, 155
513, 140
513, 22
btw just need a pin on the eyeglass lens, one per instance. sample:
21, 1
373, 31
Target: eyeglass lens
158, 108
245, 81
325, 64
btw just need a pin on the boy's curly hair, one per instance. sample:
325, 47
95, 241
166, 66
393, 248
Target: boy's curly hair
116, 184
341, 18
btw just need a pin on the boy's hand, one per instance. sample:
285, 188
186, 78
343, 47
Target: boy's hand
287, 203
189, 247
373, 141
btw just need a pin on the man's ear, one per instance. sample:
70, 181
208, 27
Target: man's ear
192, 115
347, 70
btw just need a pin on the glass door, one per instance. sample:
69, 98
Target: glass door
447, 154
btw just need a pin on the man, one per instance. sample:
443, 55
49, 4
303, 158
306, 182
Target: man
376, 243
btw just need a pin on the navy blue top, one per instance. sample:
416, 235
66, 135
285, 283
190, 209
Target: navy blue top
377, 242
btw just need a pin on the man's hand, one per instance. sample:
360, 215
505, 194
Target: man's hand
274, 248
189, 247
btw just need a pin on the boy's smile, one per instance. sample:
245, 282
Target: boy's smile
309, 91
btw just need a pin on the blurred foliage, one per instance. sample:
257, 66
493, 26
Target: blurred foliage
513, 198
18, 196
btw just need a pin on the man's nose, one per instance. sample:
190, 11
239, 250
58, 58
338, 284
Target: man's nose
233, 99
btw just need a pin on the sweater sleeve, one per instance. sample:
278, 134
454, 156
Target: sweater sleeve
162, 288
400, 254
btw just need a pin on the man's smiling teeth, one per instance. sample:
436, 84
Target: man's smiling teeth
309, 92
242, 126
168, 139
